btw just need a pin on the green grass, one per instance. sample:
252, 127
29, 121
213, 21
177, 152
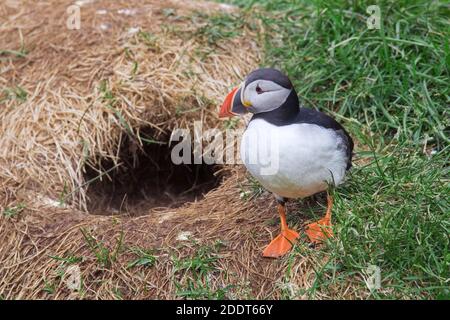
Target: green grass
219, 28
17, 93
390, 89
103, 254
49, 287
144, 258
11, 212
56, 282
69, 260
192, 275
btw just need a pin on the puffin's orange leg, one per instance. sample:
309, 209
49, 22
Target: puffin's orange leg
321, 230
283, 242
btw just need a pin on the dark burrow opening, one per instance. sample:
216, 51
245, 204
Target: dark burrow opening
146, 178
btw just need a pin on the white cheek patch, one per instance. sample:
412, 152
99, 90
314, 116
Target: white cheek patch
269, 101
273, 95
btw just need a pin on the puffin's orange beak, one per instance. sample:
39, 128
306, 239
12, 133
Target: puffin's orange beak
225, 110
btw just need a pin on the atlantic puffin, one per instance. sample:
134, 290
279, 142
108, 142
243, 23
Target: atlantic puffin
294, 152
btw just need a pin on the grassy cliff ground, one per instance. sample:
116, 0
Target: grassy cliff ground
390, 88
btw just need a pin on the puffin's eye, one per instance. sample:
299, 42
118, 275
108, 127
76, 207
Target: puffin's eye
259, 90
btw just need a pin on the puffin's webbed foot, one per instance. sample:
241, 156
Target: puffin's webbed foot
319, 231
282, 244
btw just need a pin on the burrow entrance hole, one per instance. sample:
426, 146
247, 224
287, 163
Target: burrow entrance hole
146, 178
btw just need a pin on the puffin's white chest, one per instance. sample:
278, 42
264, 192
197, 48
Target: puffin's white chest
293, 161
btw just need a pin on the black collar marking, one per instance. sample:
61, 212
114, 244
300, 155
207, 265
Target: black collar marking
286, 114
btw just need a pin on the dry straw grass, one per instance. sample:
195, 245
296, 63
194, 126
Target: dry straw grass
86, 89
66, 119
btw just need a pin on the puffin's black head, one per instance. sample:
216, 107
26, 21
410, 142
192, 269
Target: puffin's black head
263, 90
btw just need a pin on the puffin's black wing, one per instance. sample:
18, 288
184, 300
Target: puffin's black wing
307, 115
